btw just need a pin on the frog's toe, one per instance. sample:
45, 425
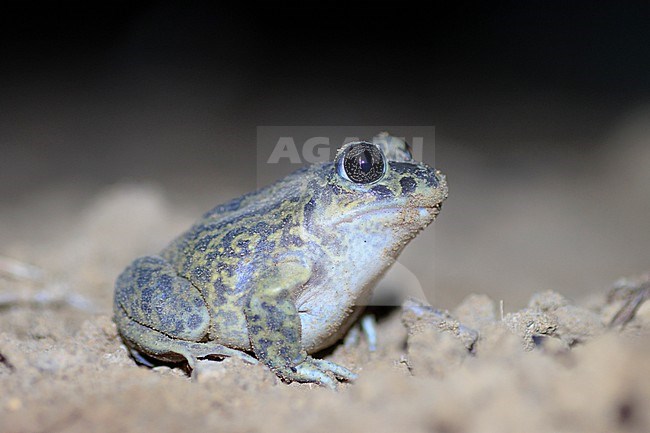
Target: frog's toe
633, 293
140, 358
244, 357
214, 349
352, 338
337, 370
309, 372
192, 352
367, 327
321, 372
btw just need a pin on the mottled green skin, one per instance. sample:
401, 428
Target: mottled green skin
279, 272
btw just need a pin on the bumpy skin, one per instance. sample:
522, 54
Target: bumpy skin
281, 271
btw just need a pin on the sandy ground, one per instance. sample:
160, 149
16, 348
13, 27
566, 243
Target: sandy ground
552, 366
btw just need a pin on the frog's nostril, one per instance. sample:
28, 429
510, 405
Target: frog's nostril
433, 180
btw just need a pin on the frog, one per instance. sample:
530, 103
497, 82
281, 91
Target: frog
278, 274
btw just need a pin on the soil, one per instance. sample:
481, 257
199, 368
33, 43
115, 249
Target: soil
554, 365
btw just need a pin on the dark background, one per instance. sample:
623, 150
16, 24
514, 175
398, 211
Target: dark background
521, 94
117, 89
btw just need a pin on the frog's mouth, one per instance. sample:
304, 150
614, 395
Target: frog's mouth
425, 213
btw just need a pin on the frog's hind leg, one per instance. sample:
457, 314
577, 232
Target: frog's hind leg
146, 342
162, 315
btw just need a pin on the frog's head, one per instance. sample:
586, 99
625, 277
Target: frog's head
376, 198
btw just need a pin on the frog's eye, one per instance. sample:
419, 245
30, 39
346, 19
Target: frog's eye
362, 162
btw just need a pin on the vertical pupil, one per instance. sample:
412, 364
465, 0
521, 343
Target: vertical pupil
365, 161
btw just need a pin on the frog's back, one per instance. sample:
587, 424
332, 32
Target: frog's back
235, 230
216, 253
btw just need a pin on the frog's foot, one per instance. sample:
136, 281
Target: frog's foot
319, 371
633, 293
416, 313
366, 326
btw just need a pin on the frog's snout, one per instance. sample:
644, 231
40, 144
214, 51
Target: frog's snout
434, 210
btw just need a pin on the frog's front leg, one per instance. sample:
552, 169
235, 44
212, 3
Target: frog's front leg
274, 328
